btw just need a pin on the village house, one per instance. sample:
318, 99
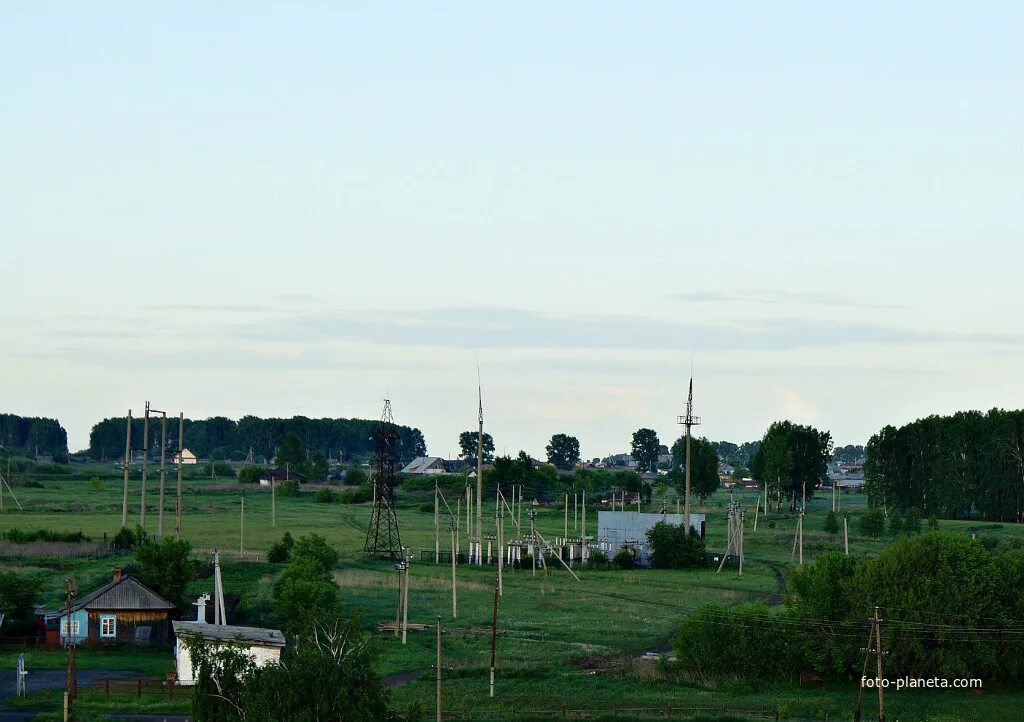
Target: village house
263, 646
187, 457
425, 466
122, 610
279, 474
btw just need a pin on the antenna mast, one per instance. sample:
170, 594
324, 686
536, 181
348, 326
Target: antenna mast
382, 538
689, 421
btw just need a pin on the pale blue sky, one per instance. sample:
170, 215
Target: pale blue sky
824, 203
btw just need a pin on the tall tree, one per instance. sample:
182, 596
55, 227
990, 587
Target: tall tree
704, 471
563, 451
468, 441
645, 449
291, 452
791, 458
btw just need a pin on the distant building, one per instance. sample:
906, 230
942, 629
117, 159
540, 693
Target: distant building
618, 529
187, 457
263, 646
279, 474
122, 610
425, 466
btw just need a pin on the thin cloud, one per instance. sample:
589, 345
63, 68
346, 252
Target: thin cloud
775, 296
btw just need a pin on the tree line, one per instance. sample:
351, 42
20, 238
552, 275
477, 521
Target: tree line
951, 466
219, 437
31, 433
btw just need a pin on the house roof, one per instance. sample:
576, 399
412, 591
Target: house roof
422, 463
126, 593
228, 633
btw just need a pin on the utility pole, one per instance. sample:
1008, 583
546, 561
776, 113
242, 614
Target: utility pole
875, 635
846, 537
145, 466
399, 566
798, 538
689, 421
273, 501
494, 629
439, 668
437, 528
405, 594
241, 527
69, 594
479, 471
177, 499
566, 532
757, 508
532, 513
584, 551
163, 470
500, 521
127, 467
453, 526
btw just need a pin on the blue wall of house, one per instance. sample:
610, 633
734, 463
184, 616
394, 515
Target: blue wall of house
82, 617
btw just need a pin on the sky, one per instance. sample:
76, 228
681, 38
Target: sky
308, 207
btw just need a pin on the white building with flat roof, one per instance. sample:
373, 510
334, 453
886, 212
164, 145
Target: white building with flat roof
618, 529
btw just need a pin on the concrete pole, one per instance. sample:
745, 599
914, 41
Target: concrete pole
405, 600
439, 668
163, 470
241, 527
458, 538
575, 511
437, 529
398, 608
686, 500
566, 533
846, 538
480, 476
501, 551
127, 466
273, 501
177, 498
455, 605
145, 466
584, 552
757, 508
741, 542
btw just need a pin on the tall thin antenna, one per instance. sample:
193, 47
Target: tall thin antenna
689, 421
382, 537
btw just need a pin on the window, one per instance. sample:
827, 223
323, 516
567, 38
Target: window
64, 627
108, 625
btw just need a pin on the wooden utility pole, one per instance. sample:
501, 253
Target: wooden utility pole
500, 521
494, 630
405, 595
241, 526
127, 467
575, 511
145, 466
875, 635
798, 539
163, 471
437, 528
453, 526
566, 532
458, 517
273, 500
734, 535
846, 537
757, 508
439, 668
532, 513
181, 461
584, 551
400, 566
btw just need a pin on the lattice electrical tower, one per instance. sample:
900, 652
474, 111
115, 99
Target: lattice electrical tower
382, 538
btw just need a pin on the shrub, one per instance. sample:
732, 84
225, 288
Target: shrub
218, 468
624, 559
361, 494
324, 495
316, 549
250, 474
872, 523
281, 552
597, 559
673, 548
933, 522
17, 536
355, 476
95, 483
912, 521
831, 524
895, 523
289, 487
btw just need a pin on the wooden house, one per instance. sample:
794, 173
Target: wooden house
122, 610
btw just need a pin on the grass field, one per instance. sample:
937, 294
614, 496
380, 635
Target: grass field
563, 644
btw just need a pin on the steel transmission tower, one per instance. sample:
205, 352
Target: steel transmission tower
382, 538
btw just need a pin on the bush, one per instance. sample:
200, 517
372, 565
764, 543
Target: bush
872, 523
624, 559
360, 495
912, 521
355, 476
895, 523
831, 524
17, 536
289, 487
218, 468
250, 474
324, 495
281, 552
316, 549
18, 594
933, 522
673, 548
597, 559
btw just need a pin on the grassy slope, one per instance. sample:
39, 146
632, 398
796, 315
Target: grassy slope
549, 625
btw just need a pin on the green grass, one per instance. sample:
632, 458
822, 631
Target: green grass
562, 643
